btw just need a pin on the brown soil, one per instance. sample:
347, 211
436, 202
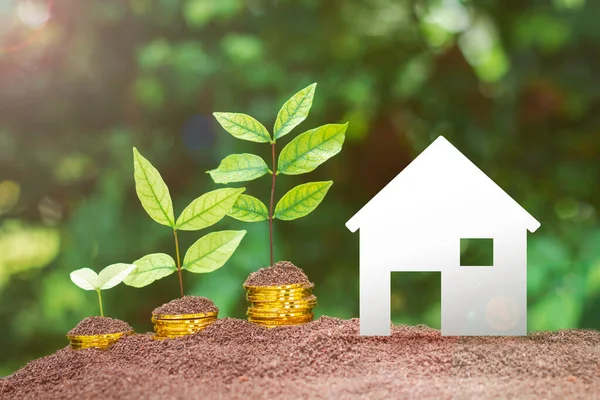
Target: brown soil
282, 273
235, 359
99, 326
186, 305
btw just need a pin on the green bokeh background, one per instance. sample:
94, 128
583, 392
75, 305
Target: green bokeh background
513, 84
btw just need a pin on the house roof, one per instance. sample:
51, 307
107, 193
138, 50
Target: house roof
441, 148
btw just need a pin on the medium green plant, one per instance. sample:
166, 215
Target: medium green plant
207, 253
108, 278
303, 154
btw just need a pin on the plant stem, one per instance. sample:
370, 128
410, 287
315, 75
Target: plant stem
271, 203
178, 262
100, 302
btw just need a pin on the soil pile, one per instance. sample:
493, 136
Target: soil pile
326, 358
282, 273
186, 305
99, 326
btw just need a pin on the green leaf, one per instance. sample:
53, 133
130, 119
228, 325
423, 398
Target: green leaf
294, 111
249, 209
208, 209
114, 274
243, 127
152, 191
85, 278
150, 268
311, 149
301, 200
212, 251
239, 168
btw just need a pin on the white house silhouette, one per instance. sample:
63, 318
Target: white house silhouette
416, 222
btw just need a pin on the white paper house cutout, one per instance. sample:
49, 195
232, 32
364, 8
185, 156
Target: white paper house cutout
416, 223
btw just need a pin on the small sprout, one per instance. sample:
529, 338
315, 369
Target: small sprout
108, 278
207, 253
302, 155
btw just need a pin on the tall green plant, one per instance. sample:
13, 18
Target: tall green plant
303, 154
207, 253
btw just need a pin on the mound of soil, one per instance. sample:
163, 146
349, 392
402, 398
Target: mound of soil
326, 358
186, 305
99, 326
282, 273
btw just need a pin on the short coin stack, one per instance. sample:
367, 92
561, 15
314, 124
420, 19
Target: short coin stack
96, 341
273, 306
98, 332
172, 326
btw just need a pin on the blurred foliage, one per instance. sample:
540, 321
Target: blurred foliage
513, 84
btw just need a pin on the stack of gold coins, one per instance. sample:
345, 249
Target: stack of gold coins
97, 341
273, 306
172, 326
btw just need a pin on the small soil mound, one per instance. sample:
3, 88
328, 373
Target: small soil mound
99, 326
282, 273
186, 305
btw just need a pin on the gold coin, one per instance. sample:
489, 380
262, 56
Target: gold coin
283, 287
185, 316
172, 326
278, 313
281, 322
183, 321
273, 306
278, 294
306, 303
280, 299
97, 341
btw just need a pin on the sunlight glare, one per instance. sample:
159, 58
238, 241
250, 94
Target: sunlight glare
33, 14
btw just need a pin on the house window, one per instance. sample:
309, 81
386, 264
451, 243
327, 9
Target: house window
476, 252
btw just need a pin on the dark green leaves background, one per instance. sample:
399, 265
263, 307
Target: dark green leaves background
513, 84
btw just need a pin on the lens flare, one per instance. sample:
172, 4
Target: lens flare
33, 14
502, 313
23, 22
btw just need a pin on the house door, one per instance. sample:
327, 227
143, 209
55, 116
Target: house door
416, 298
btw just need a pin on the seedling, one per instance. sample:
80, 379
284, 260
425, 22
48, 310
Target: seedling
108, 278
205, 255
303, 154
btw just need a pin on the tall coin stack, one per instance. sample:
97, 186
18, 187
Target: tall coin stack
273, 306
172, 326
